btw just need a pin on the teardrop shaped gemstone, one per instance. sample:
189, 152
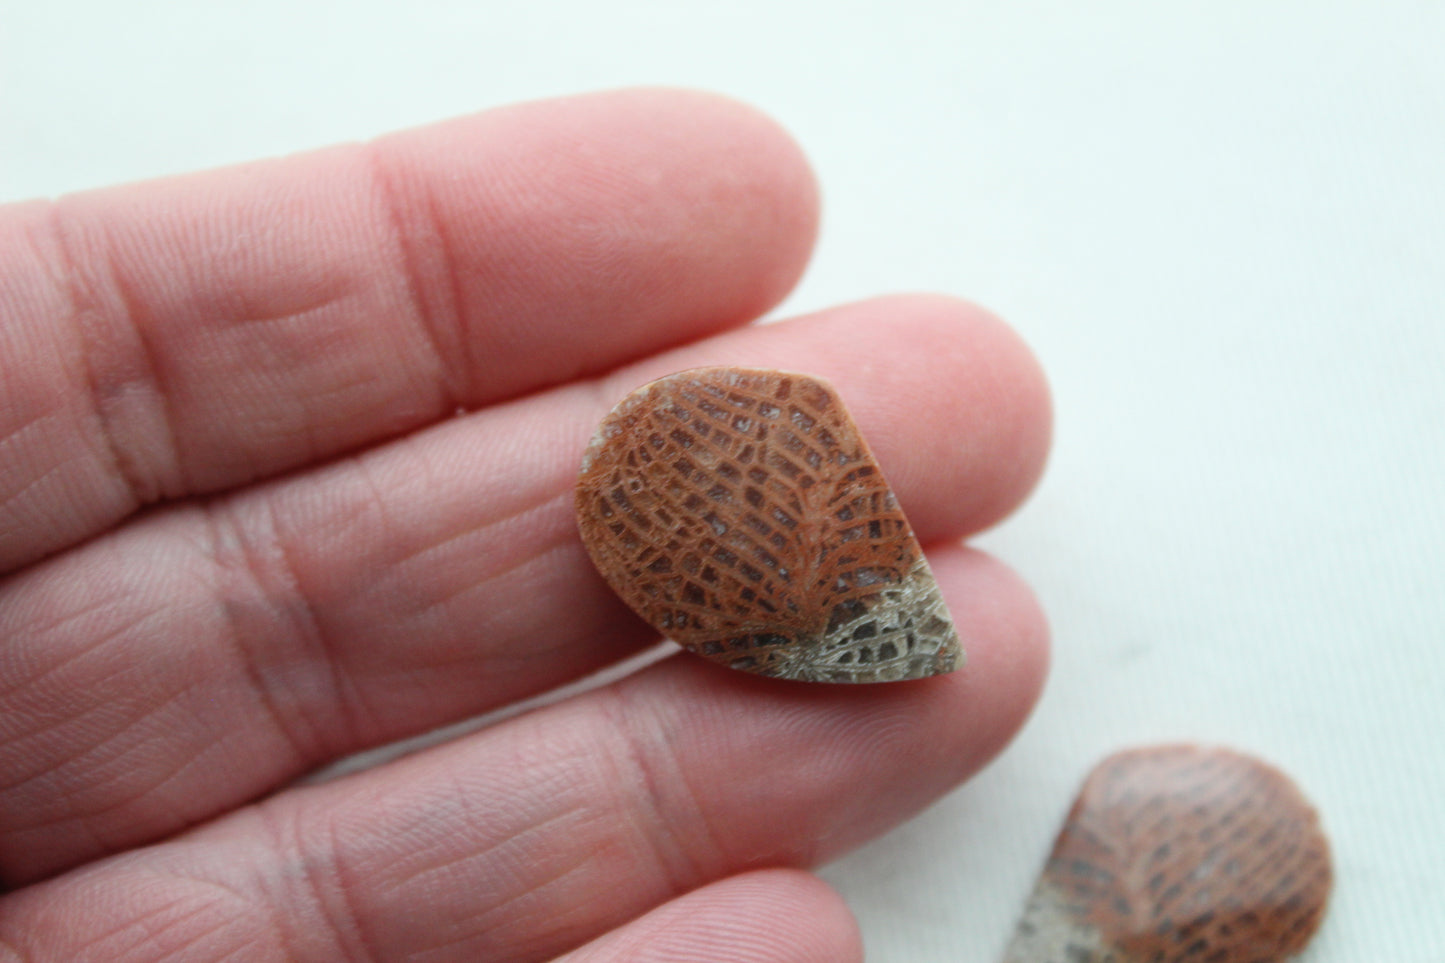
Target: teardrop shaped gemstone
1178, 854
740, 512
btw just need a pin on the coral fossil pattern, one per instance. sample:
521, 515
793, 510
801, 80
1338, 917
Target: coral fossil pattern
1180, 854
740, 512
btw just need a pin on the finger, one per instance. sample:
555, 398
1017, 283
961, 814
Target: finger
196, 333
206, 655
530, 838
768, 916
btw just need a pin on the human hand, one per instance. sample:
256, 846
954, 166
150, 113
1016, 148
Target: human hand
244, 535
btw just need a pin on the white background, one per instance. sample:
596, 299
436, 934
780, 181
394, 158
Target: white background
1221, 225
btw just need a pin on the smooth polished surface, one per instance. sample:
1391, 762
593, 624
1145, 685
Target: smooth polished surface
740, 512
1180, 853
1220, 226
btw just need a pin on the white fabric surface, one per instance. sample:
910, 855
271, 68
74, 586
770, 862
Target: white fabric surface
1220, 225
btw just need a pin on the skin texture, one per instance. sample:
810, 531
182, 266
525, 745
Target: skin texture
286, 461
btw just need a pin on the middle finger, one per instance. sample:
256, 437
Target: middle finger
209, 653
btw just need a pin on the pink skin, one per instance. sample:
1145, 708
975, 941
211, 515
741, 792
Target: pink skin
226, 336
767, 915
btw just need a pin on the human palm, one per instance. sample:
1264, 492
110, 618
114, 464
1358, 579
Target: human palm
286, 458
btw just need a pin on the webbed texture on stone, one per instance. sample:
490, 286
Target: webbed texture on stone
1180, 854
740, 512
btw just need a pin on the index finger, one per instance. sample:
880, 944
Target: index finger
198, 333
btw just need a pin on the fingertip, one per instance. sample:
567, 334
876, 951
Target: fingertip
672, 210
818, 921
779, 186
996, 417
764, 916
1005, 635
827, 929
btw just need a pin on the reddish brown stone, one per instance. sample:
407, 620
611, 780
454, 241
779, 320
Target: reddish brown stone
741, 513
1180, 854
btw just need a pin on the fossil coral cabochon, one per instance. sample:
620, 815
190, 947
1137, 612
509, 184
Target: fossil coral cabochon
740, 512
1178, 854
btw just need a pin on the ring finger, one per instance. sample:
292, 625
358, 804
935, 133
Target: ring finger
531, 838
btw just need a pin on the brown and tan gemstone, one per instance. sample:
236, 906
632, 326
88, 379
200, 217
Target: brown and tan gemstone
1180, 854
740, 512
